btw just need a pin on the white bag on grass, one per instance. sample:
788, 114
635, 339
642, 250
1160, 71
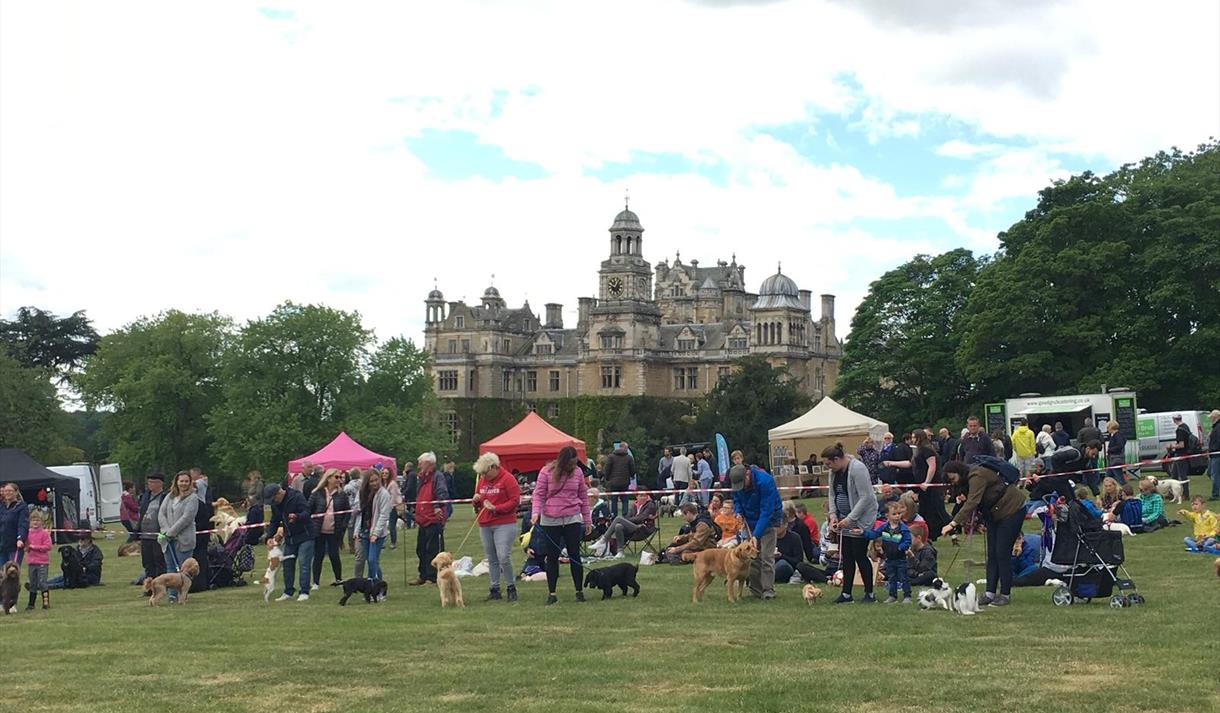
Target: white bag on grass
463, 567
647, 558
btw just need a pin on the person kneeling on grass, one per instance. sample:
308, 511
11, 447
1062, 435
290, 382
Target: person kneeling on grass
698, 534
895, 539
921, 564
1206, 527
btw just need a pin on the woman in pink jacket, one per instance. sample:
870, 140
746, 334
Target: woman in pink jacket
561, 509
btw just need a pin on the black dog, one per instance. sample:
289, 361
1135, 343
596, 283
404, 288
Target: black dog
10, 586
72, 566
374, 590
620, 575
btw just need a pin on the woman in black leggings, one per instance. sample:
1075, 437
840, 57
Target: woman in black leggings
561, 508
1002, 508
851, 507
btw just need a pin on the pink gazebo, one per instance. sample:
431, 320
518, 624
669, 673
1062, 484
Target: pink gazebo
344, 453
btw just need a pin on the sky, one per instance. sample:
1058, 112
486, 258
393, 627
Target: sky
232, 156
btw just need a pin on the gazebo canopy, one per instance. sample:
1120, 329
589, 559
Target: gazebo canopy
32, 477
531, 444
828, 418
344, 453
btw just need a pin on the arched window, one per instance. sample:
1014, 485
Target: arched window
618, 245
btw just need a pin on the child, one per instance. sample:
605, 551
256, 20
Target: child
895, 539
729, 523
1085, 497
38, 557
1153, 507
814, 531
922, 565
1206, 525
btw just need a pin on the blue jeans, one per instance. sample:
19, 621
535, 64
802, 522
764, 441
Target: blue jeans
372, 555
614, 503
173, 563
1213, 470
303, 551
393, 528
896, 574
704, 486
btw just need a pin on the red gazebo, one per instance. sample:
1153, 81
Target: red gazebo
531, 444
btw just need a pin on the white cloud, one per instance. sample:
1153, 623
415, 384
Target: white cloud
160, 155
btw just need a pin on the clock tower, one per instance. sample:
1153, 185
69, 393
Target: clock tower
626, 276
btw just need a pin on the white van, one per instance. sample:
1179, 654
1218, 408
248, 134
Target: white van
101, 490
1156, 433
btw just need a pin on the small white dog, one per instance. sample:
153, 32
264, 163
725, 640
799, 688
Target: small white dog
939, 596
1118, 527
965, 599
1169, 488
274, 555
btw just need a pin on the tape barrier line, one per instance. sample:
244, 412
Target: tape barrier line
676, 491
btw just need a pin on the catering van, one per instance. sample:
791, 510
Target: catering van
1156, 433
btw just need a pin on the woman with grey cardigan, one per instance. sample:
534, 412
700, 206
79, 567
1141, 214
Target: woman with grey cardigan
372, 523
177, 518
851, 507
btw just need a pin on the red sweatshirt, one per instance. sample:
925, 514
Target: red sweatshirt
814, 531
426, 512
502, 491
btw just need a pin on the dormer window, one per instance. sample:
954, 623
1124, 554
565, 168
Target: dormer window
612, 341
460, 322
686, 344
544, 349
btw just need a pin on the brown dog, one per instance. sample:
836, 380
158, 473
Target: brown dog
10, 587
222, 505
811, 593
447, 581
129, 549
732, 564
180, 580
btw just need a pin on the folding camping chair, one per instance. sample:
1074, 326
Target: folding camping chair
651, 541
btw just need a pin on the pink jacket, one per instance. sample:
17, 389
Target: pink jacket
561, 500
38, 547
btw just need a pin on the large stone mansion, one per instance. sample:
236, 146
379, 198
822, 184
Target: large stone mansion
675, 339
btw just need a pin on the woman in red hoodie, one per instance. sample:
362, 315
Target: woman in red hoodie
495, 502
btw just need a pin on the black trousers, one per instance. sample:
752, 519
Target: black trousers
152, 557
932, 510
854, 553
327, 545
558, 537
427, 546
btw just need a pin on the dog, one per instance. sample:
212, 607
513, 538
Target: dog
1169, 488
811, 593
274, 555
129, 549
10, 586
965, 599
732, 564
72, 567
621, 575
667, 506
224, 520
180, 580
447, 581
939, 596
220, 505
1119, 528
374, 590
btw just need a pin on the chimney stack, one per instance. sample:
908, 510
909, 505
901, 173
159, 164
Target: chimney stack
584, 307
807, 299
554, 316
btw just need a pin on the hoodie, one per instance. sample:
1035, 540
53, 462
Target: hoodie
620, 466
502, 491
1023, 442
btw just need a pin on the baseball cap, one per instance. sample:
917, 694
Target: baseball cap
270, 491
737, 478
1177, 417
156, 476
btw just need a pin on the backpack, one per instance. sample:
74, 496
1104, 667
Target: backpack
1193, 445
1007, 471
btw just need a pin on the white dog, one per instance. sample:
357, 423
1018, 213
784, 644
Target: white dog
1118, 527
965, 599
226, 525
274, 555
1169, 488
939, 596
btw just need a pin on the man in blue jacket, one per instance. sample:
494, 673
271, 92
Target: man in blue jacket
757, 501
290, 511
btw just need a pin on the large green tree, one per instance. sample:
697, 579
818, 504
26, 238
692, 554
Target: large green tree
754, 398
30, 415
1108, 280
286, 381
898, 362
394, 410
39, 339
154, 380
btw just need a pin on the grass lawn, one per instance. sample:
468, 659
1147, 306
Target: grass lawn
103, 649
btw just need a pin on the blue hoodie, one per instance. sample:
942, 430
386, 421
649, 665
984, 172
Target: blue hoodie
760, 505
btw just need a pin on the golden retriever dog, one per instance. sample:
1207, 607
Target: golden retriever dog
732, 564
129, 549
811, 593
447, 581
180, 580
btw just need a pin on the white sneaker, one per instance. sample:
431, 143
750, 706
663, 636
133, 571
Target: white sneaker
795, 579
303, 598
618, 555
315, 587
283, 597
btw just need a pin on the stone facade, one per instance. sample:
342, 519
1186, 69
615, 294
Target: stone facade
673, 330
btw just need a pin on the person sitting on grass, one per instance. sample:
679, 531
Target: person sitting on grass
797, 525
1153, 507
921, 565
1026, 555
790, 564
895, 539
1206, 527
815, 531
91, 564
1111, 494
698, 534
886, 494
910, 514
1084, 496
730, 524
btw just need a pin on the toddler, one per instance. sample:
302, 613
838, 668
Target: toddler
895, 539
1206, 525
38, 557
1153, 507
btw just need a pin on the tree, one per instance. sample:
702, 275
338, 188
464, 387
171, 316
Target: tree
286, 381
41, 340
394, 411
898, 362
30, 415
155, 379
1108, 280
749, 402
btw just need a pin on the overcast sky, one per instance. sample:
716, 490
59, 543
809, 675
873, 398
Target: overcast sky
230, 156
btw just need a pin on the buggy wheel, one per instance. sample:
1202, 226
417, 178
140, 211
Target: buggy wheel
1135, 598
1061, 597
1118, 601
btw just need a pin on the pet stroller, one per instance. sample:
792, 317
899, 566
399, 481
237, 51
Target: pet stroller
228, 563
1094, 557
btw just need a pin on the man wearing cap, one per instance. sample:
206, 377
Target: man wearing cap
290, 512
90, 560
756, 499
1213, 447
151, 554
1180, 469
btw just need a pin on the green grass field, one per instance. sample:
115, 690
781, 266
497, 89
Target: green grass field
104, 649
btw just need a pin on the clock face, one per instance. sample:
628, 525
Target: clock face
615, 285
